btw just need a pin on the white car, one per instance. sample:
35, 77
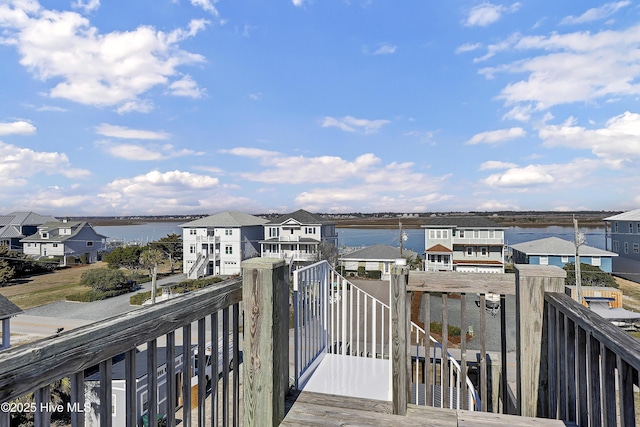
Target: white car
209, 361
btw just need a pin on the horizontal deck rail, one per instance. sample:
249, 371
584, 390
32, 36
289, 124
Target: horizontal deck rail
592, 366
34, 367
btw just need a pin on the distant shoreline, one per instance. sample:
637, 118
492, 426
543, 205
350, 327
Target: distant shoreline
386, 223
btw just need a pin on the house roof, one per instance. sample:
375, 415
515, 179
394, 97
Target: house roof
76, 227
301, 216
9, 232
612, 314
25, 218
439, 249
7, 308
558, 246
633, 215
460, 222
378, 253
226, 219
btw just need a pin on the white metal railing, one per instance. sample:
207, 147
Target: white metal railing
462, 393
333, 316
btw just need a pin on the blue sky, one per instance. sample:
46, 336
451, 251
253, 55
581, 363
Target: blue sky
200, 106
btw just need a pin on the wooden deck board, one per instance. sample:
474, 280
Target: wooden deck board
317, 409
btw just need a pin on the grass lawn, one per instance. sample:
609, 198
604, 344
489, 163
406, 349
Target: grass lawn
631, 292
42, 289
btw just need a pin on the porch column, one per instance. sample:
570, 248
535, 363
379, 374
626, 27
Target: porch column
532, 281
265, 294
400, 304
6, 333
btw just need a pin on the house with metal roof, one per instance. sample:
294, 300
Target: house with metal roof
63, 239
296, 237
7, 311
18, 225
217, 244
558, 252
622, 236
467, 244
376, 258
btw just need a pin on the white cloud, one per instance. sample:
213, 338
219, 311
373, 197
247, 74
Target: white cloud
486, 14
494, 164
298, 3
145, 152
596, 13
256, 153
20, 128
187, 87
574, 67
497, 136
180, 192
385, 49
533, 176
112, 69
468, 47
207, 5
86, 5
496, 205
127, 133
521, 113
352, 124
17, 165
617, 144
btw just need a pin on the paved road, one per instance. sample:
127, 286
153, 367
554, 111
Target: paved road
45, 320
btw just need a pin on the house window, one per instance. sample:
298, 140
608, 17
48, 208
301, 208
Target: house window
492, 234
89, 243
616, 246
192, 232
462, 234
432, 234
484, 251
192, 249
310, 230
439, 234
274, 232
565, 259
596, 261
544, 260
626, 247
630, 228
55, 245
469, 251
476, 234
636, 248
228, 249
615, 227
45, 235
228, 232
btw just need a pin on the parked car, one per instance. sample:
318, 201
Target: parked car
209, 360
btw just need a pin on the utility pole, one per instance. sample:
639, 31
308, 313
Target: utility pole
578, 241
400, 238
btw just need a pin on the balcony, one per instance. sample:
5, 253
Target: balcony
287, 255
456, 240
571, 366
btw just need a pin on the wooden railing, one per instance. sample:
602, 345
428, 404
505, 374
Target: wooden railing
591, 367
34, 367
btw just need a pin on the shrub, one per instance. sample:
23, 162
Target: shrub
105, 279
374, 274
436, 327
361, 271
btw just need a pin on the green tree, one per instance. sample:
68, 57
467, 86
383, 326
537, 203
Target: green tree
171, 246
6, 272
590, 275
127, 257
104, 279
150, 259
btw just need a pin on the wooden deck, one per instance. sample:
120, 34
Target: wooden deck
316, 409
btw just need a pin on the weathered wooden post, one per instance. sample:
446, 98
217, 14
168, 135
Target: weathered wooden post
265, 293
532, 281
400, 303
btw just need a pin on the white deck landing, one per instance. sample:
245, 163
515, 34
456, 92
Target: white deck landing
361, 377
